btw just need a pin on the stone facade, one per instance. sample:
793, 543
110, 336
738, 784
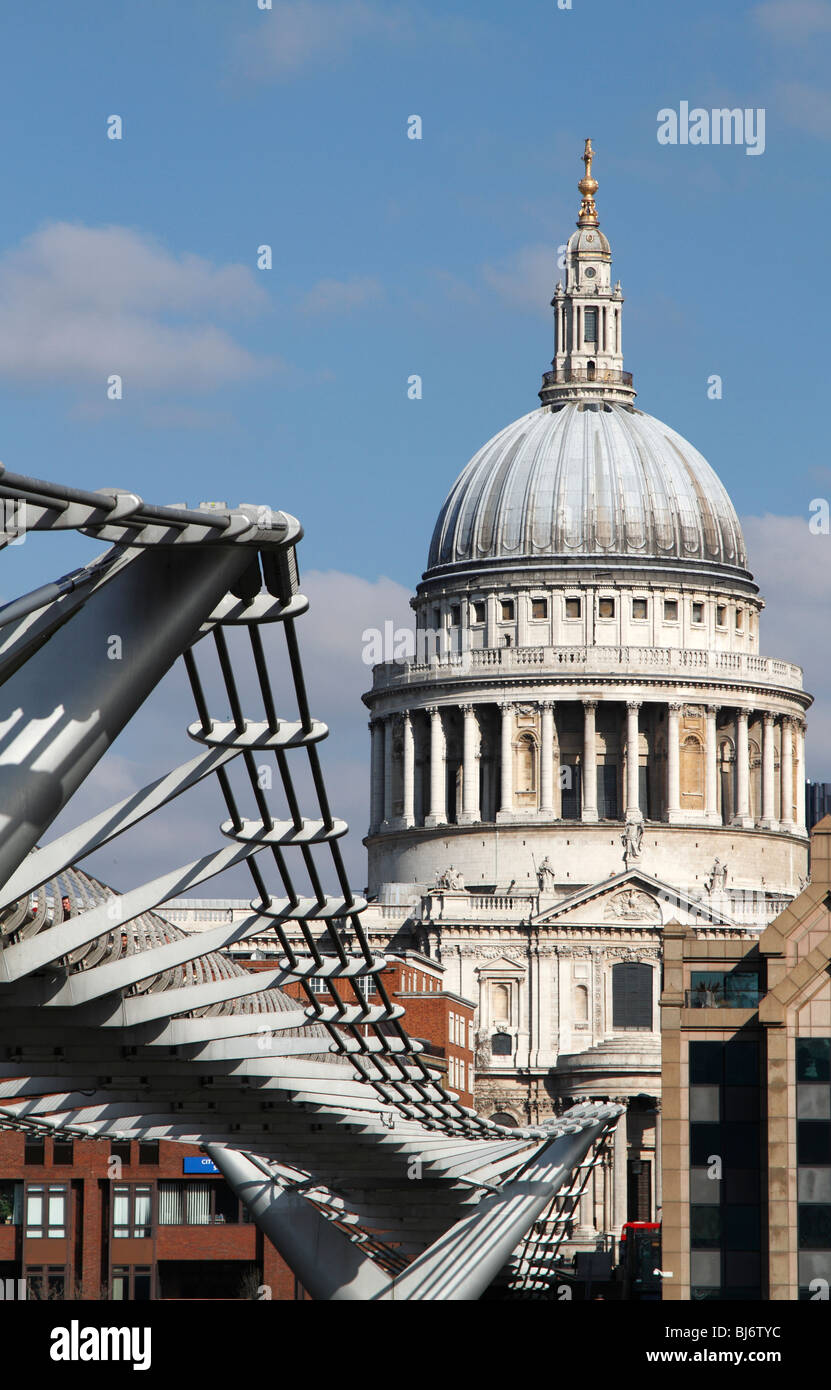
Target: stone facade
585, 744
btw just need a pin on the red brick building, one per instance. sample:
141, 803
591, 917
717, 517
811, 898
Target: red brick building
99, 1219
436, 1017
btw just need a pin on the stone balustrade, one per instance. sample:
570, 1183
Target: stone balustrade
593, 661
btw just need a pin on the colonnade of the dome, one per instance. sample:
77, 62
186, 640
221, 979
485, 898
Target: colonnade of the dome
543, 760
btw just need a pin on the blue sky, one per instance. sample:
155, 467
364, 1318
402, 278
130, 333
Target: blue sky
288, 126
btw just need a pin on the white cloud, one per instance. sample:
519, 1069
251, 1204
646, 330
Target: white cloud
526, 278
298, 35
793, 570
340, 296
342, 607
794, 21
806, 107
79, 303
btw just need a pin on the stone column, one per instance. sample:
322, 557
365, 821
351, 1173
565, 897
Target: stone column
438, 776
800, 776
619, 1212
470, 767
768, 774
787, 774
657, 1171
376, 776
674, 764
633, 810
408, 814
589, 761
506, 800
742, 817
547, 760
711, 768
388, 730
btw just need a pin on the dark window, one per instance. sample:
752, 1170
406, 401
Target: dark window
605, 608
721, 615
571, 800
705, 1227
501, 1117
148, 1151
502, 1045
120, 1148
539, 607
507, 610
813, 1141
739, 619
590, 326
813, 1059
698, 612
670, 610
742, 1228
62, 1151
607, 807
131, 1284
479, 610
706, 1063
632, 995
814, 1226
573, 607
455, 615
34, 1149
45, 1283
640, 609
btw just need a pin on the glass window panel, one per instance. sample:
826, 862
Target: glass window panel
813, 1102
705, 1142
813, 1141
815, 1226
57, 1213
121, 1284
141, 1215
121, 1211
742, 1228
813, 1059
34, 1211
706, 1063
814, 1184
141, 1286
741, 1063
705, 1227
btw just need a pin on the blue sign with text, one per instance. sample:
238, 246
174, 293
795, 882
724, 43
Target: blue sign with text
199, 1165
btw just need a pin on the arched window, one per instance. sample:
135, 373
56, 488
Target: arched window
632, 996
692, 773
501, 1117
500, 1003
526, 764
581, 1004
502, 1045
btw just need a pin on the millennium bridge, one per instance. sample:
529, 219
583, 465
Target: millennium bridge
326, 1119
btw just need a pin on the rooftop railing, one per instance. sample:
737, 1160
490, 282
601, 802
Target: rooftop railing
593, 661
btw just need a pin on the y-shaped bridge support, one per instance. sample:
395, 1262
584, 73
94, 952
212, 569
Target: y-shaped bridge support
458, 1266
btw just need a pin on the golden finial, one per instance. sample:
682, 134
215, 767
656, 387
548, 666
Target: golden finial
588, 187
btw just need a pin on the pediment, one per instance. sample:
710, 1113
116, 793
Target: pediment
501, 966
631, 899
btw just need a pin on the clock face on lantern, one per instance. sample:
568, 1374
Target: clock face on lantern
590, 272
